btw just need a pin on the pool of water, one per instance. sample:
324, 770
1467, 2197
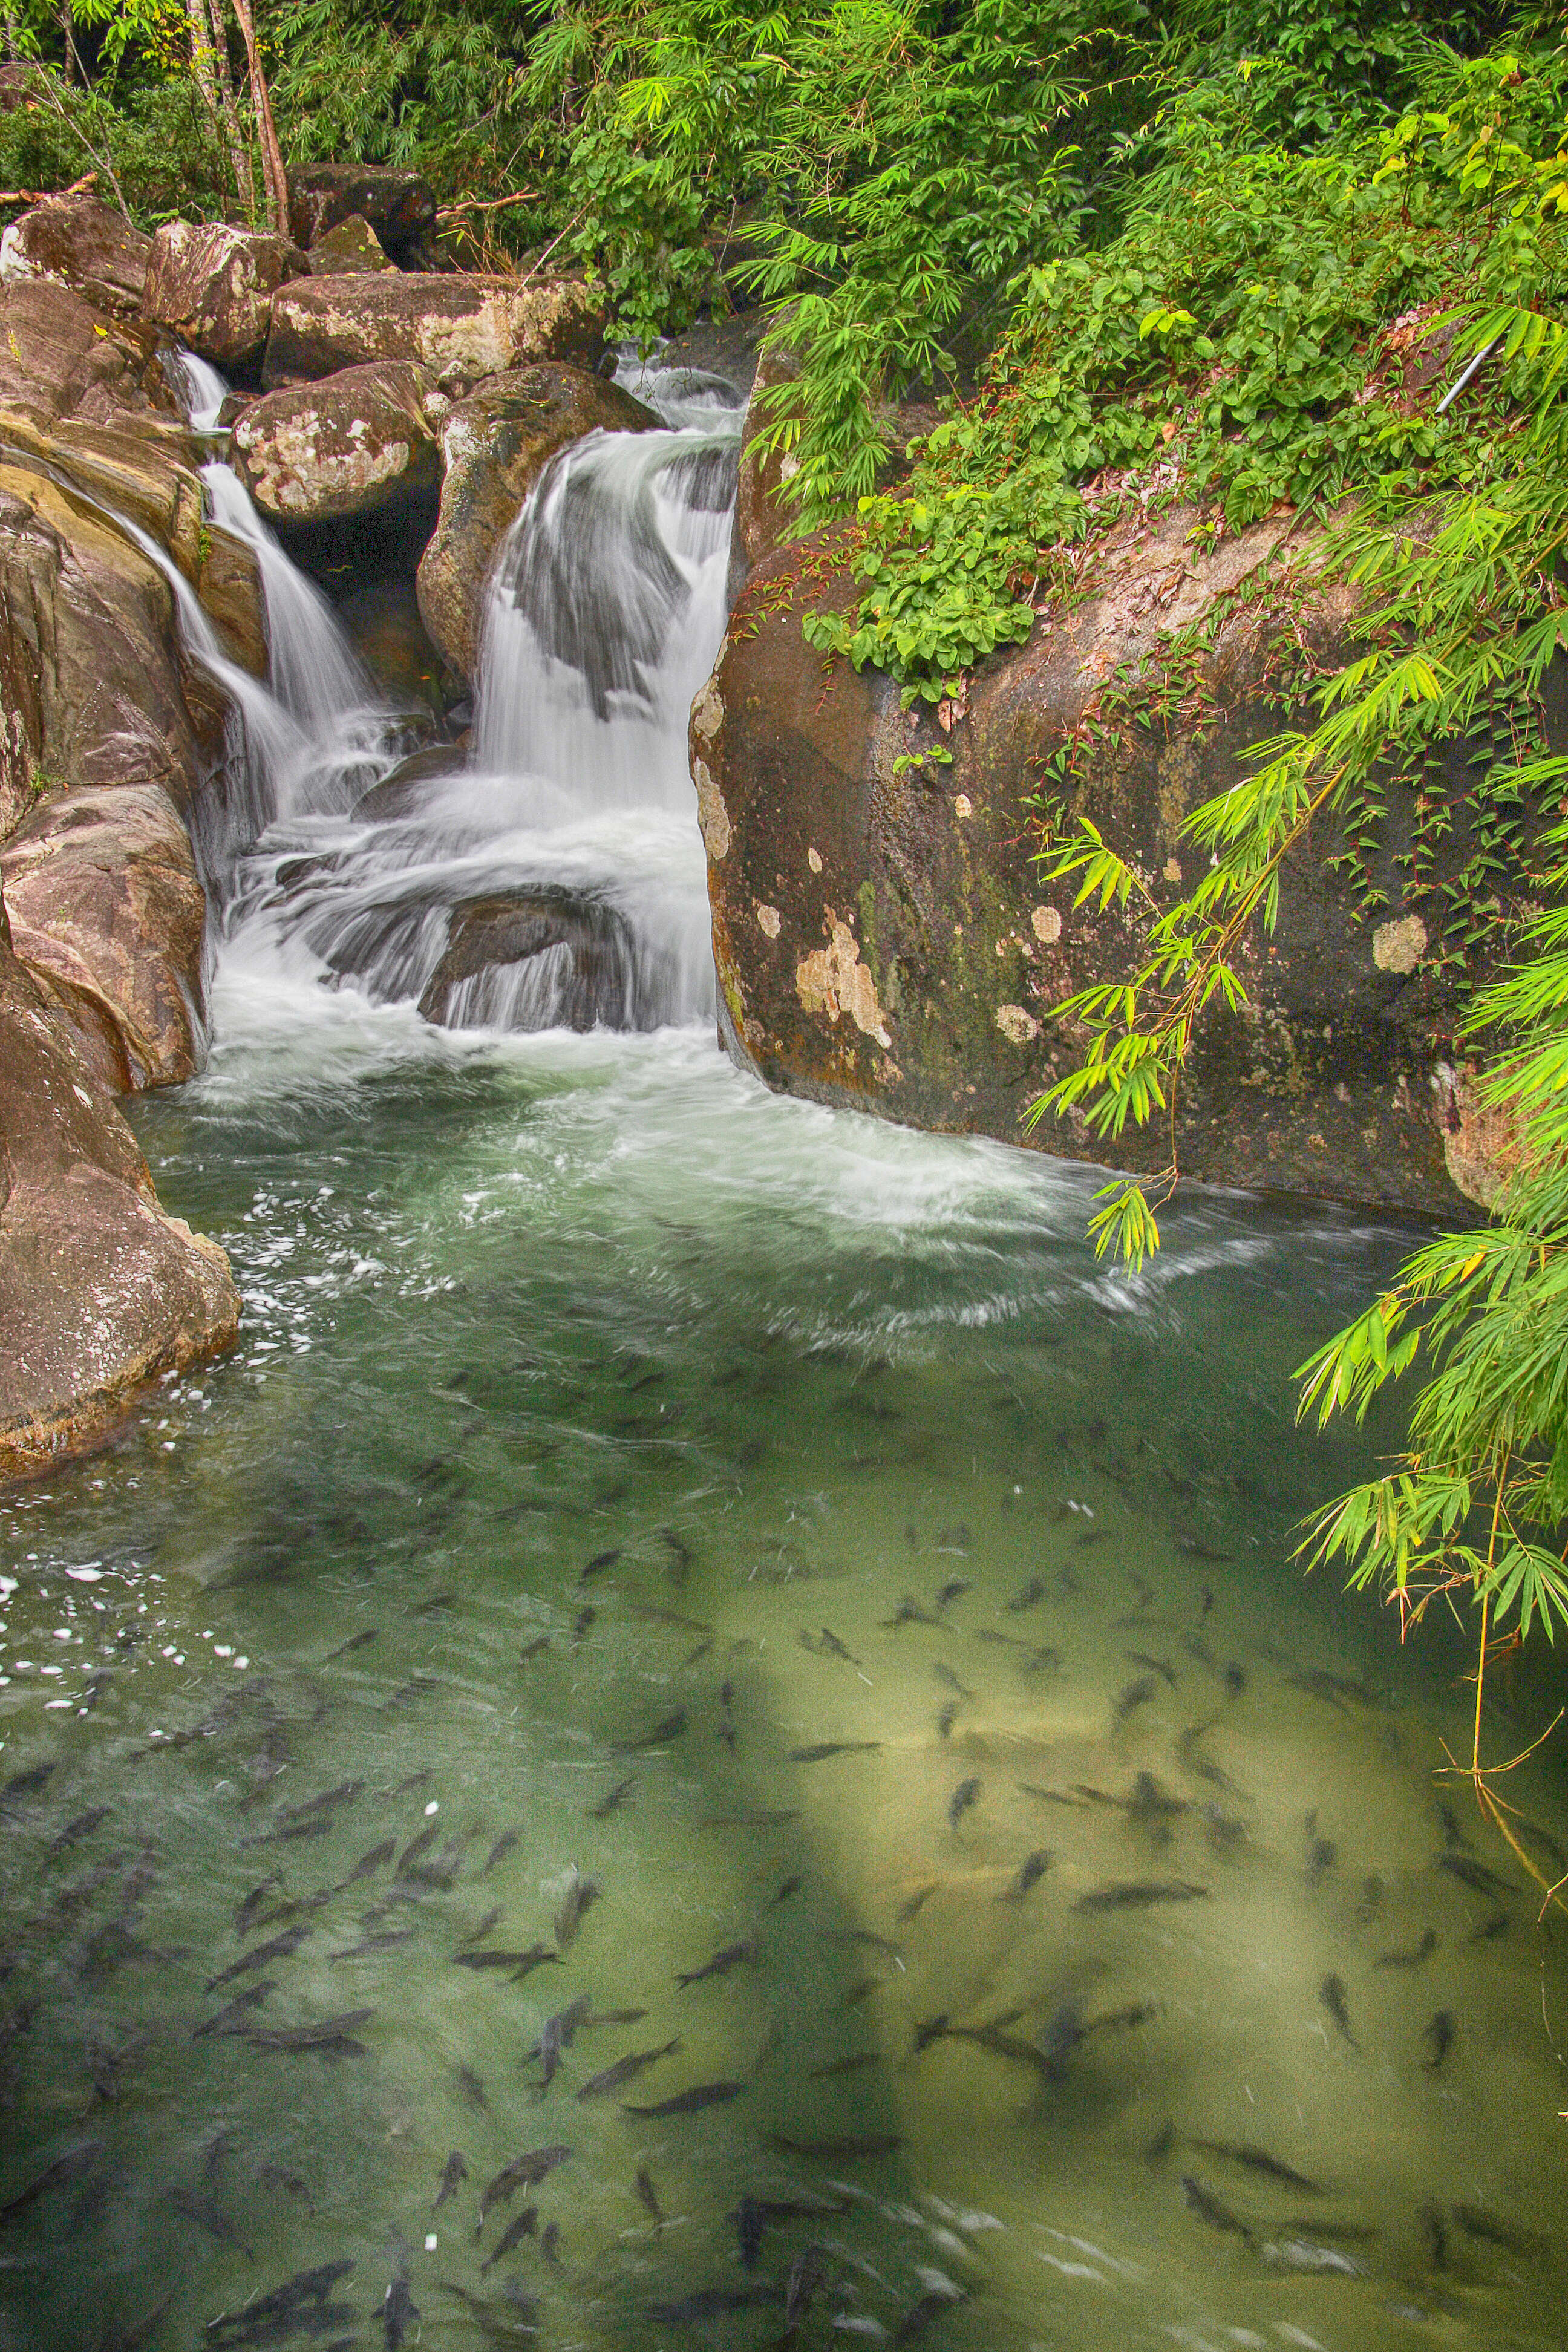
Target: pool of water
608, 1442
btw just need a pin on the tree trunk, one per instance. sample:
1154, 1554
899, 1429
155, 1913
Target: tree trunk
238, 155
260, 97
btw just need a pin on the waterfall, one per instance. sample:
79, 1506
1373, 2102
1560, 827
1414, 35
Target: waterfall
315, 672
202, 389
552, 875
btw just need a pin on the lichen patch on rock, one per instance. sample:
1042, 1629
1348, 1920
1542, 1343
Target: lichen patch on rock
834, 981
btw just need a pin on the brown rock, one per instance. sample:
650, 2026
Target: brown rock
107, 912
78, 242
356, 441
101, 1292
761, 520
62, 358
458, 328
212, 286
350, 246
494, 447
540, 960
397, 205
883, 938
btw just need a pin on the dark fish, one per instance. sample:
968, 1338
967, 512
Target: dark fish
1029, 1595
1030, 1872
826, 1748
855, 2065
255, 1903
1259, 2161
616, 1798
751, 2219
452, 2171
472, 2089
1488, 2231
1234, 1680
1498, 1925
1218, 2216
859, 1992
417, 1848
712, 2303
301, 2305
231, 2020
26, 1784
534, 1649
597, 1565
522, 2172
835, 1647
930, 2029
1439, 2038
946, 1719
1434, 2235
518, 1964
1453, 1836
789, 1887
625, 2070
581, 1895
1137, 1895
953, 1589
1332, 1993
1225, 1832
1154, 1666
386, 1940
279, 1948
327, 2033
74, 1831
1196, 1647
1476, 1875
909, 1613
616, 2017
354, 1641
806, 2274
208, 2217
1050, 1796
647, 2192
548, 2243
397, 2308
1210, 1558
512, 2235
487, 1925
582, 1625
330, 1799
558, 2033
945, 1674
966, 1794
721, 1964
499, 1852
670, 1728
1004, 1640
420, 1779
406, 1693
843, 2150
78, 2158
911, 1908
497, 2326
1411, 1958
370, 1863
1136, 1695
688, 2103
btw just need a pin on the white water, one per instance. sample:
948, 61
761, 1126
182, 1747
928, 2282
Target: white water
605, 611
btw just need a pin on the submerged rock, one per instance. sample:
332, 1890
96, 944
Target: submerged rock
540, 960
494, 447
459, 328
108, 913
212, 286
360, 439
350, 246
397, 205
99, 1290
78, 242
883, 938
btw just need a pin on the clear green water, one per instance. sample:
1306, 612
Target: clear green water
512, 1309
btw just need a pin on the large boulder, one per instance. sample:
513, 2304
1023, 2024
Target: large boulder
533, 960
89, 683
108, 913
357, 440
494, 447
398, 204
352, 247
212, 286
883, 938
762, 519
101, 1292
78, 242
61, 357
459, 329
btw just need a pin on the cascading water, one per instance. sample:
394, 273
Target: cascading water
555, 878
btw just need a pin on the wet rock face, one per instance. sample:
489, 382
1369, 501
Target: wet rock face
350, 246
108, 914
494, 447
100, 1291
459, 328
78, 242
212, 286
883, 938
532, 961
360, 439
398, 205
58, 357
